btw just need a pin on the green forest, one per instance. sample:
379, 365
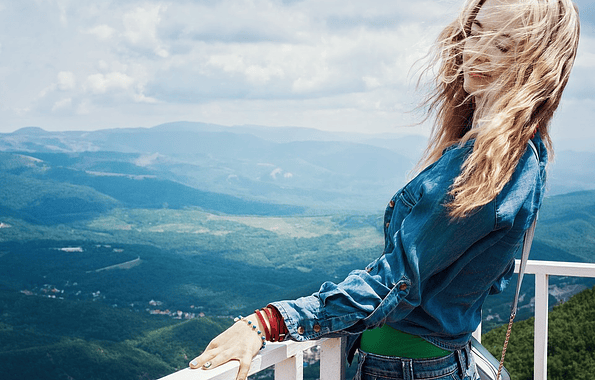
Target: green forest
46, 338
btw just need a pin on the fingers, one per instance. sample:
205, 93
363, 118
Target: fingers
203, 358
214, 360
244, 368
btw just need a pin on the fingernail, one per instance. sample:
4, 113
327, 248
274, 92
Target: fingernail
193, 363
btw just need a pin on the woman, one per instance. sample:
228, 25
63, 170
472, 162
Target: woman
450, 233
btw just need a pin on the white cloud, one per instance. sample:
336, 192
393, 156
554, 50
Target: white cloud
102, 66
251, 64
84, 108
66, 80
141, 98
62, 104
47, 90
280, 172
130, 82
141, 25
371, 82
276, 172
102, 32
586, 52
101, 83
161, 51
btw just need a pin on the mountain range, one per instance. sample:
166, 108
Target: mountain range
316, 171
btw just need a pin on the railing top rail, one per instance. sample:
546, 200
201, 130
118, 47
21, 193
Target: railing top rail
272, 354
558, 268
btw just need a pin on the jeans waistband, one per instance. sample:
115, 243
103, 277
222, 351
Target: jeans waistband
409, 369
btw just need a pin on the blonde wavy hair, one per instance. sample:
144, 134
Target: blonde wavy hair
521, 100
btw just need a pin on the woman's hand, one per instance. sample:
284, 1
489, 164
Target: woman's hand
239, 342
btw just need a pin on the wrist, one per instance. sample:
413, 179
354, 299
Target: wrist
254, 324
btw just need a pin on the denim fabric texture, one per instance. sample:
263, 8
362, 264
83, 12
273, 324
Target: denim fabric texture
435, 272
457, 366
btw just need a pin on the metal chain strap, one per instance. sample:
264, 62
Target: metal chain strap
505, 345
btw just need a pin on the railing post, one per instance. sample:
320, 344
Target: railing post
291, 368
477, 333
541, 326
332, 360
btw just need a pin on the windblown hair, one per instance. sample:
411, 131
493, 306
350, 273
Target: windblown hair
520, 101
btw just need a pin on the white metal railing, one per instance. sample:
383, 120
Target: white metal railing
287, 357
542, 271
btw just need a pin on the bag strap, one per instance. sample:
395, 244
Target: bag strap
527, 241
524, 257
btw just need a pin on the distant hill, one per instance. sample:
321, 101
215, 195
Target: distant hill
58, 188
566, 228
318, 170
571, 171
28, 193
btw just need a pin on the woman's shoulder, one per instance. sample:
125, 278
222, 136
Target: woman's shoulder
524, 190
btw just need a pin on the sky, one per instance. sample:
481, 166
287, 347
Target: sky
334, 65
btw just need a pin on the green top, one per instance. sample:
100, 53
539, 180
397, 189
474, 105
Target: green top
387, 341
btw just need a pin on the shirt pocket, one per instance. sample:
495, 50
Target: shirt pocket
405, 200
406, 196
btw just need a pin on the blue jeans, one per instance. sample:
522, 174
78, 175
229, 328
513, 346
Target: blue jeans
457, 366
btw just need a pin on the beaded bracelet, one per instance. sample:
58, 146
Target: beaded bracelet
254, 327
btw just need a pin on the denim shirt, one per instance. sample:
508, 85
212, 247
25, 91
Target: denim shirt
435, 272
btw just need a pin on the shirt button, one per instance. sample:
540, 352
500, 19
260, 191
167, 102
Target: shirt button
316, 328
402, 286
301, 330
391, 204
